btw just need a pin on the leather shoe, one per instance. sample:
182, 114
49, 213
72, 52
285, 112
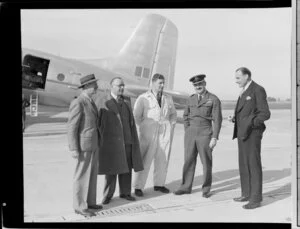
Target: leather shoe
181, 192
206, 194
85, 213
241, 199
127, 197
161, 189
138, 192
95, 207
251, 205
106, 201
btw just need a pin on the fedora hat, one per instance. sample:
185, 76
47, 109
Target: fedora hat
87, 79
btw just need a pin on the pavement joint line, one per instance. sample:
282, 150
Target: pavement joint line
44, 134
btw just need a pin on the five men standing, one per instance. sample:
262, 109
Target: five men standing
250, 113
156, 116
202, 122
103, 139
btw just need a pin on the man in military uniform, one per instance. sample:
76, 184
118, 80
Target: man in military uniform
202, 122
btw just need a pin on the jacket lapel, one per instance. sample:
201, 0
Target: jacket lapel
90, 103
242, 99
111, 105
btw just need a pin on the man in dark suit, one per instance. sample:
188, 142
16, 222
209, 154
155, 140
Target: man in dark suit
83, 138
119, 147
250, 113
202, 122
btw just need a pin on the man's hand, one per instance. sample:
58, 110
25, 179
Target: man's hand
75, 154
213, 143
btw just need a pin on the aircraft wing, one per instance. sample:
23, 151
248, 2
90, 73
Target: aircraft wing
179, 98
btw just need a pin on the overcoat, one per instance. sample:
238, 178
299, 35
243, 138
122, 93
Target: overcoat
112, 154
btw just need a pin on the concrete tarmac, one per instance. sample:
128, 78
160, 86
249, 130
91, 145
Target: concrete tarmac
48, 172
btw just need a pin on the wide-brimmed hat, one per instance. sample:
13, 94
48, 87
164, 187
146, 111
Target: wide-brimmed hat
197, 79
87, 79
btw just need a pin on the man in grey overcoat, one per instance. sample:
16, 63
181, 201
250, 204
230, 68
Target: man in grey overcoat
83, 138
119, 146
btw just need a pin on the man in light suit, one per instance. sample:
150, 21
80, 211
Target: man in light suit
156, 116
250, 113
83, 138
119, 147
202, 123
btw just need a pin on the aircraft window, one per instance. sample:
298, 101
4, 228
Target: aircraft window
146, 73
34, 72
61, 77
138, 71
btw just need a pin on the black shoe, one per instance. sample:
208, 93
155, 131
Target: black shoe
106, 201
161, 189
85, 213
251, 205
241, 199
181, 192
95, 207
138, 192
127, 197
206, 194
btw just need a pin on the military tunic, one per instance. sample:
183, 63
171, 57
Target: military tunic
202, 122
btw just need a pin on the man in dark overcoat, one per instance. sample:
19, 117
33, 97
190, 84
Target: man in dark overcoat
250, 113
202, 122
119, 146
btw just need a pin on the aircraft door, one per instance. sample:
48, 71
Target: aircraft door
34, 72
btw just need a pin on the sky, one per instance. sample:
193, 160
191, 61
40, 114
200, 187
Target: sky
214, 42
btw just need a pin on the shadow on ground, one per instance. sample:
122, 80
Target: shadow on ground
232, 184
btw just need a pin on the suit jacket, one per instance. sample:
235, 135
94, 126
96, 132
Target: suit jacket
251, 111
112, 154
83, 133
201, 114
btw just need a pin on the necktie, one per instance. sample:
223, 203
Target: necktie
241, 93
119, 99
199, 98
158, 97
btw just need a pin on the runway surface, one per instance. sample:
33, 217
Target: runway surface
48, 172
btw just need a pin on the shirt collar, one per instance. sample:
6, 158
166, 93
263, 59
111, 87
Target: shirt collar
114, 96
155, 94
86, 95
203, 94
247, 85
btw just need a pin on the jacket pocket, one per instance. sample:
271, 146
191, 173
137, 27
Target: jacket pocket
88, 141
